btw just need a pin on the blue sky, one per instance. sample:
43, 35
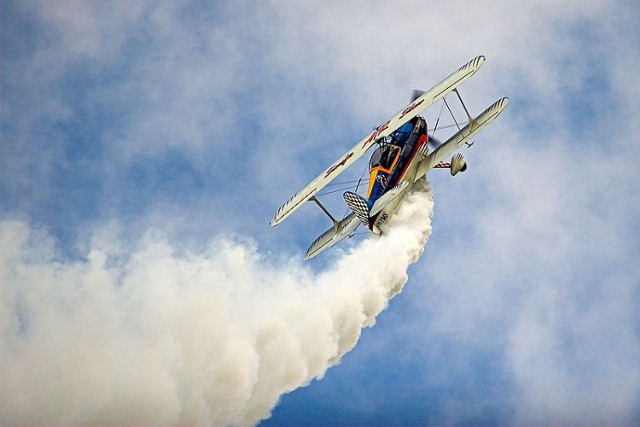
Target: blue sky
145, 147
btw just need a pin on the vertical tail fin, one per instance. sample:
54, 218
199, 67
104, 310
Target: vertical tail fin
359, 205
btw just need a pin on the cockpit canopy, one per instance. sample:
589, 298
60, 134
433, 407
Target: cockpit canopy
401, 135
384, 156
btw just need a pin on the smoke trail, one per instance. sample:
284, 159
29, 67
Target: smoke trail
216, 336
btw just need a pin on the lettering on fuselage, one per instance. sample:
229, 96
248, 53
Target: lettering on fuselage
383, 219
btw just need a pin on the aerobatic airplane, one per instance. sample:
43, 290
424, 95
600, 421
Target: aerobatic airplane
401, 158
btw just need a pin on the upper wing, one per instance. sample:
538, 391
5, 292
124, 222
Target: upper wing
425, 100
459, 138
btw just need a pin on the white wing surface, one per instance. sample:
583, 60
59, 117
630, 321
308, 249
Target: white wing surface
333, 235
425, 100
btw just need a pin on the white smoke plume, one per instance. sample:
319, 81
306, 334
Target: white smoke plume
216, 336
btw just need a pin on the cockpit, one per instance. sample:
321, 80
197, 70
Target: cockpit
384, 157
401, 135
387, 153
389, 159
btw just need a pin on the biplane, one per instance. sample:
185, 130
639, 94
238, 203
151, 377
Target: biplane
401, 157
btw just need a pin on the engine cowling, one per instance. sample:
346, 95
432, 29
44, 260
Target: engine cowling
458, 164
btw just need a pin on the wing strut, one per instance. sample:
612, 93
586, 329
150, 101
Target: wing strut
472, 122
335, 222
463, 106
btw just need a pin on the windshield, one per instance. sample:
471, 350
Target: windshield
384, 156
401, 135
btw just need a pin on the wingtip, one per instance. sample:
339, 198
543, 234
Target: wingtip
308, 255
502, 102
474, 64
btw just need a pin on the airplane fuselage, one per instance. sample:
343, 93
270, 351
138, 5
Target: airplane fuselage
394, 163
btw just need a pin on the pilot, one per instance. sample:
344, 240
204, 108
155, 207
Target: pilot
388, 156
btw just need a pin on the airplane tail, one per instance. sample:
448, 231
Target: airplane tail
364, 209
359, 205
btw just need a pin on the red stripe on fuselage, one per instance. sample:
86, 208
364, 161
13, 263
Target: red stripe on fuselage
423, 139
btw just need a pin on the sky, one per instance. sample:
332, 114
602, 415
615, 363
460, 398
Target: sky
145, 146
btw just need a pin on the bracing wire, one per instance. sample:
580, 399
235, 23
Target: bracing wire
324, 193
349, 183
442, 127
433, 132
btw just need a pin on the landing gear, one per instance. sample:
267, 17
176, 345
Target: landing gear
458, 164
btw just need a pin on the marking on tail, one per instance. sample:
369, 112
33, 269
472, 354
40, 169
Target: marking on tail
358, 205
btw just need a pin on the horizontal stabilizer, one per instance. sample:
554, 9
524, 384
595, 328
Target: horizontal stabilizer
387, 198
333, 235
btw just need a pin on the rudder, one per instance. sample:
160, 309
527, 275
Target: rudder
359, 205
